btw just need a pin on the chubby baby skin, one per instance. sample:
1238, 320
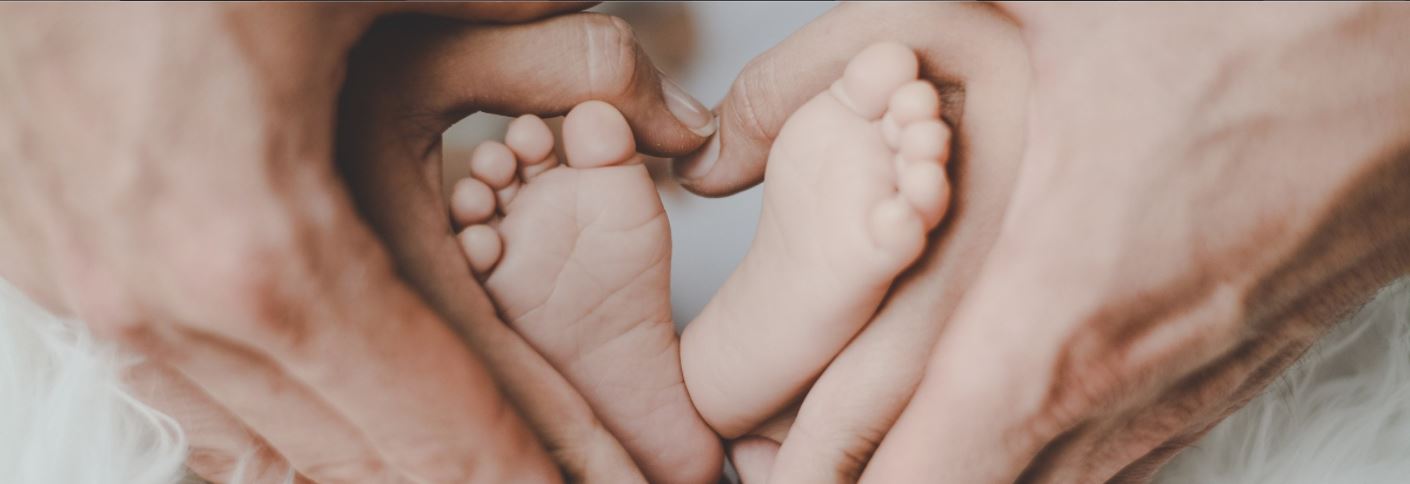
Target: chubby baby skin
576, 254
854, 184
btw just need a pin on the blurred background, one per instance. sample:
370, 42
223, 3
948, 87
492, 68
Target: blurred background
702, 46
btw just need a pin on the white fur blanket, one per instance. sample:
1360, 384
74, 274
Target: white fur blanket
1340, 415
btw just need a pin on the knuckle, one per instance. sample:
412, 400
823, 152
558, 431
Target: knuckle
611, 52
751, 101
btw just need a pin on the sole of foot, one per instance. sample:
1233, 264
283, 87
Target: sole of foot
577, 260
855, 181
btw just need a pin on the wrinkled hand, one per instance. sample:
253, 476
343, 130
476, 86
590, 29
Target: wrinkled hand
170, 179
1204, 191
975, 56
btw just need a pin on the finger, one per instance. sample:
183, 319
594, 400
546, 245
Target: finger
864, 389
752, 458
1015, 376
398, 192
220, 448
854, 402
333, 316
985, 381
544, 68
777, 82
1136, 442
279, 410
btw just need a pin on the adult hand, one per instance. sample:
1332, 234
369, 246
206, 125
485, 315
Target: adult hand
425, 74
1172, 168
170, 180
1205, 190
974, 54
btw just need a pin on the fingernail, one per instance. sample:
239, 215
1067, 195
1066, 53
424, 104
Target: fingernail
698, 164
686, 109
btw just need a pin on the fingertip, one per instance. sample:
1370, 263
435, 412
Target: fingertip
753, 458
690, 112
697, 165
721, 168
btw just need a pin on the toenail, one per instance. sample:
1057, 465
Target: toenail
687, 109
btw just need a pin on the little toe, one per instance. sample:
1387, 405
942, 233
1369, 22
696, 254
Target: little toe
482, 247
914, 101
873, 75
471, 202
897, 230
493, 163
595, 135
924, 185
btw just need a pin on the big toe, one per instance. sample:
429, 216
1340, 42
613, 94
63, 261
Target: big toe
595, 134
873, 75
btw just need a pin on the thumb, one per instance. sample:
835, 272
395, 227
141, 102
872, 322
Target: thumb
544, 67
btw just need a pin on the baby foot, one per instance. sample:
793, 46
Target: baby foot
854, 183
577, 260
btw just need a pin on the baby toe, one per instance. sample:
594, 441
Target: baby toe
897, 230
923, 184
482, 247
595, 134
873, 75
927, 140
493, 163
914, 101
471, 202
530, 139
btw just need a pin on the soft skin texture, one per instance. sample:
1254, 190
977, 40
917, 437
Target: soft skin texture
1183, 227
975, 57
171, 179
577, 260
854, 183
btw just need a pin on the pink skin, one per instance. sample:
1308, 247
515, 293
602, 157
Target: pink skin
854, 184
1169, 235
577, 260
